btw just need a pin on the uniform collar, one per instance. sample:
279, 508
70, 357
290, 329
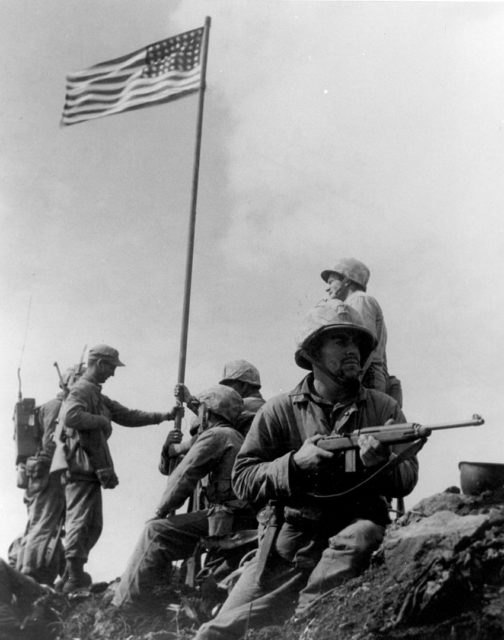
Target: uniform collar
305, 391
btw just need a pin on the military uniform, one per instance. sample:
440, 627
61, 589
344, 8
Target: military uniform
167, 539
87, 415
41, 549
350, 270
320, 541
376, 373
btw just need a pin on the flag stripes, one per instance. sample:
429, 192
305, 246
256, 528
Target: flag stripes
155, 74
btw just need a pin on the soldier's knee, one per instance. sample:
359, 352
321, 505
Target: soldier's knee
361, 536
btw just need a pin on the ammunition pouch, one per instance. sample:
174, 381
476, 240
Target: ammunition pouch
220, 520
79, 461
37, 473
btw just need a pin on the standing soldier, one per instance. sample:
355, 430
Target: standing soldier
323, 513
347, 281
41, 551
86, 417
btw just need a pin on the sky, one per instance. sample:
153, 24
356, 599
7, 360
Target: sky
331, 129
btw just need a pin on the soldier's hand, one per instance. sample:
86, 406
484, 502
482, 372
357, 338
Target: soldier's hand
372, 452
171, 415
182, 393
309, 456
174, 436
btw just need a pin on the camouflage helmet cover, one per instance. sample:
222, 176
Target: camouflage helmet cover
241, 370
330, 315
350, 268
223, 401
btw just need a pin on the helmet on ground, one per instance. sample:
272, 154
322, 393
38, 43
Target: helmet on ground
223, 401
331, 315
350, 268
241, 370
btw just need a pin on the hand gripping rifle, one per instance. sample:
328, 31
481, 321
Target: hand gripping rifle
403, 433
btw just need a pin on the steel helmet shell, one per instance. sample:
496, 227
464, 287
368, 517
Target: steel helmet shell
330, 315
350, 268
223, 401
241, 370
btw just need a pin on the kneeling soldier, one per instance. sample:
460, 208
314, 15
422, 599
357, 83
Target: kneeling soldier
171, 537
313, 541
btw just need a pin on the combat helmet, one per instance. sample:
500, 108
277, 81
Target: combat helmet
328, 315
350, 268
241, 370
223, 401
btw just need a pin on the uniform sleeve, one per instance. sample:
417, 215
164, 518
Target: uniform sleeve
368, 308
131, 417
202, 457
76, 413
261, 470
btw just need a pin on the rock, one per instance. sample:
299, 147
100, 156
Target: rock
440, 532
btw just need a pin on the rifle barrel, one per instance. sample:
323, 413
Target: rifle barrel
476, 421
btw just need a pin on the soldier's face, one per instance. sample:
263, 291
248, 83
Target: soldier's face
339, 352
336, 289
105, 370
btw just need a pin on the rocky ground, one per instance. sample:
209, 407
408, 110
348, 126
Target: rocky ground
438, 576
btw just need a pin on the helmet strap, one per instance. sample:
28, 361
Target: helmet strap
335, 378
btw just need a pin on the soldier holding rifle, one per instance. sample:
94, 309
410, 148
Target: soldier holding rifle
310, 542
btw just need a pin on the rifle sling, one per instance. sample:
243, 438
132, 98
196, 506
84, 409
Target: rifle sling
388, 465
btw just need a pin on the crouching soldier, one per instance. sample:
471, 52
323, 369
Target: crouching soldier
324, 513
170, 537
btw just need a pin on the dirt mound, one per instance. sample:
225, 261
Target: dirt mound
439, 574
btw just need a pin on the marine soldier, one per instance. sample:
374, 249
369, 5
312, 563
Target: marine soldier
347, 281
86, 417
240, 375
170, 537
323, 514
41, 550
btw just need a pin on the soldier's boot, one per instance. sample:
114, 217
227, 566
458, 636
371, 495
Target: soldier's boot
76, 577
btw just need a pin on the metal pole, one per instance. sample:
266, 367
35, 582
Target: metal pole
192, 219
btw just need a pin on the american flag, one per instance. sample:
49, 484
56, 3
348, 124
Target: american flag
155, 74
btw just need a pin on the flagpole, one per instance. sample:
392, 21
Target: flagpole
192, 218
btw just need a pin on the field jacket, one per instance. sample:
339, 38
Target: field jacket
264, 469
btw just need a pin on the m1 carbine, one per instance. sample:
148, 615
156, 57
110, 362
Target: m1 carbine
391, 434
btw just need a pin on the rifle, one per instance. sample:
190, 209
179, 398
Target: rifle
391, 434
62, 383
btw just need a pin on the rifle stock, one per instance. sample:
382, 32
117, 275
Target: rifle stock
392, 434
